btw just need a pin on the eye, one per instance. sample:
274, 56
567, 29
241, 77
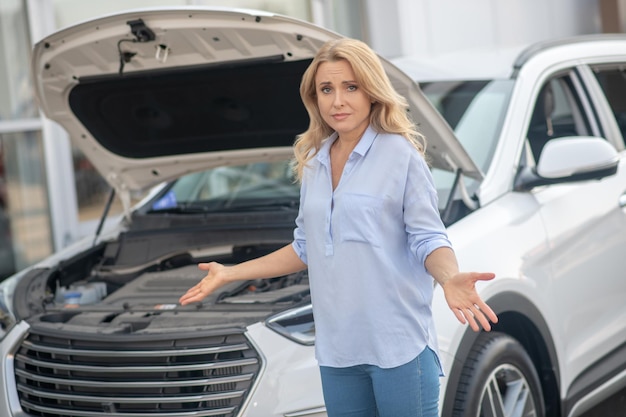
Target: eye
352, 88
325, 90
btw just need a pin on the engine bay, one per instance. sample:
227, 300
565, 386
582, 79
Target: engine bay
95, 293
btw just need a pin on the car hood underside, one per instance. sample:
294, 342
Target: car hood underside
150, 95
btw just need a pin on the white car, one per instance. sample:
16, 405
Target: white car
202, 105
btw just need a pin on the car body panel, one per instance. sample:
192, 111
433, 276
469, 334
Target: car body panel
534, 240
575, 315
586, 252
298, 391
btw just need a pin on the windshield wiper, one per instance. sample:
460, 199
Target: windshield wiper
264, 205
199, 208
182, 208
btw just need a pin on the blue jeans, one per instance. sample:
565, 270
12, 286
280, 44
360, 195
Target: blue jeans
410, 390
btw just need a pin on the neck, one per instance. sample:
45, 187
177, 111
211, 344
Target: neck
349, 140
344, 145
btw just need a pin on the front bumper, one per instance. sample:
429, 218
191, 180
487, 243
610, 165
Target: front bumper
288, 384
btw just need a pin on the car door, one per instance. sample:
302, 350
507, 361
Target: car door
586, 228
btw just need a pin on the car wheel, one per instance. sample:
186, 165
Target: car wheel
498, 380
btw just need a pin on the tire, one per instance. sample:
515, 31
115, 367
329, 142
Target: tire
498, 380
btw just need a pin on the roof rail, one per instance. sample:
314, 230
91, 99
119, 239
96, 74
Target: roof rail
541, 46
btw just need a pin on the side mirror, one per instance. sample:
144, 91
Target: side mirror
564, 157
570, 159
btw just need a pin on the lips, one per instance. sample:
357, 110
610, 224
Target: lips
340, 116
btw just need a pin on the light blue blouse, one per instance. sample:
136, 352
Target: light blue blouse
365, 246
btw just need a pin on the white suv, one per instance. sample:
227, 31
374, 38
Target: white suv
203, 105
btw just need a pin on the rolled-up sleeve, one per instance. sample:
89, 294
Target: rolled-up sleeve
426, 232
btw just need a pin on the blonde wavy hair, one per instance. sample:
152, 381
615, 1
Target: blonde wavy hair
388, 112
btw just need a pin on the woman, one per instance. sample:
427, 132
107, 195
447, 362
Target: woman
370, 234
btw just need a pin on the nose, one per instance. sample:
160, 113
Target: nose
338, 99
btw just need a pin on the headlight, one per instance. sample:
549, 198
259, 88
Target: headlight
296, 324
7, 288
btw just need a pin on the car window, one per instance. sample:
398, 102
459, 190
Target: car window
612, 79
557, 113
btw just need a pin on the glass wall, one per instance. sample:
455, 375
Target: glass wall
26, 219
16, 102
25, 230
348, 18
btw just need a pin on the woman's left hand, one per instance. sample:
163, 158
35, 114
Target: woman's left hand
464, 301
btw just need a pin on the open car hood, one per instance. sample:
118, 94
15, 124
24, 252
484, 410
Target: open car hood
149, 95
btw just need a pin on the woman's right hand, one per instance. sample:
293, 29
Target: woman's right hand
215, 278
280, 262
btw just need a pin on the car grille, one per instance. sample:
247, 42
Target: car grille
191, 377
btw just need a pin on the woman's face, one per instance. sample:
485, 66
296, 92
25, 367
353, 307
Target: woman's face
344, 106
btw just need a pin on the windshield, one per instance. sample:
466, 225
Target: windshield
475, 110
231, 188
